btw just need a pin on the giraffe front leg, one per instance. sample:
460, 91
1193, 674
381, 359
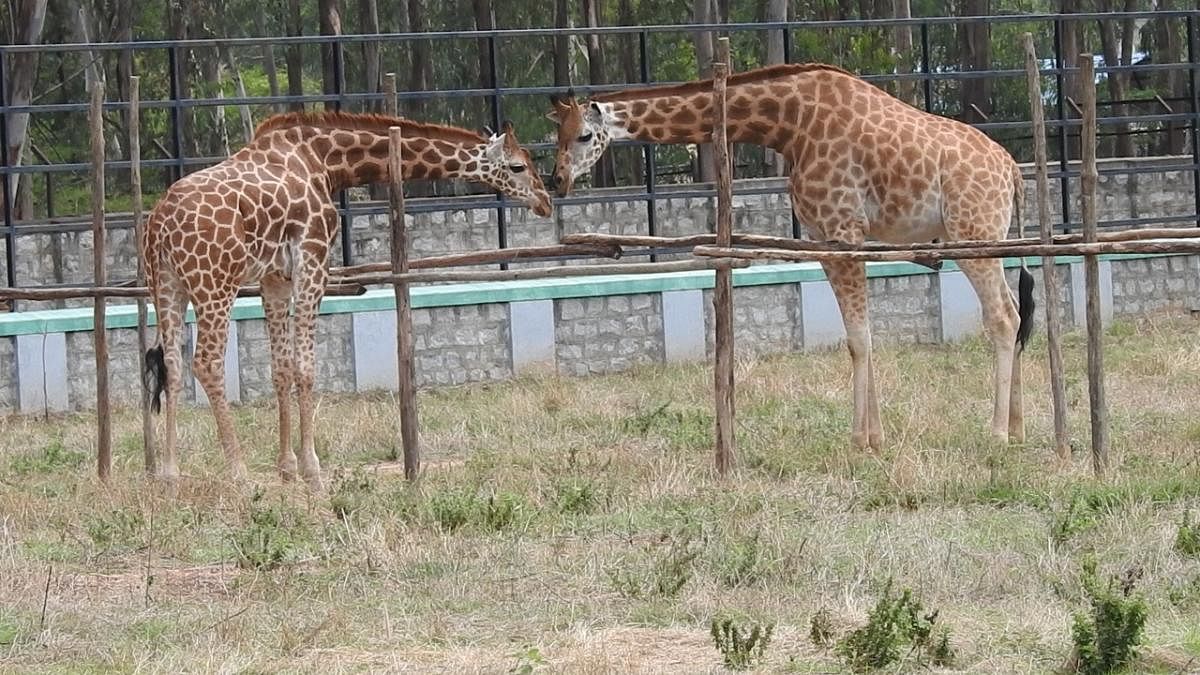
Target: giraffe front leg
277, 299
849, 282
308, 298
212, 325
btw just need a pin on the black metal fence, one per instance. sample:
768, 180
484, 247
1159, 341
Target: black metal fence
497, 97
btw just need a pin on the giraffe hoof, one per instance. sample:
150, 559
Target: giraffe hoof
876, 441
287, 470
860, 440
168, 473
314, 483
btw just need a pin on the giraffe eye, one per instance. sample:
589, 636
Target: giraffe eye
586, 137
516, 168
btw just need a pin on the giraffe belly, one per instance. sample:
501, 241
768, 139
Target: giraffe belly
908, 223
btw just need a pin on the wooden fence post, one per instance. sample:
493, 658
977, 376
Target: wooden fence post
723, 289
406, 390
1091, 267
100, 272
1058, 390
149, 455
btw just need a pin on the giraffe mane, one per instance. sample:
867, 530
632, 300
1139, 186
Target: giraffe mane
368, 122
746, 77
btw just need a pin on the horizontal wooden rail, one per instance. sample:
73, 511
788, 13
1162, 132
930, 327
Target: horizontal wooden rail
967, 253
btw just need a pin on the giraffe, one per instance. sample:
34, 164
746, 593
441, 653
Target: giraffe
266, 215
864, 164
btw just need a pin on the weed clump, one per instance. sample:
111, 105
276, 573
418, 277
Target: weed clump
820, 628
269, 539
455, 509
1107, 637
740, 650
1187, 537
894, 623
350, 494
661, 575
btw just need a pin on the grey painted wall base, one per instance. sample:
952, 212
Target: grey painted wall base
374, 345
820, 316
683, 325
962, 315
1079, 293
42, 373
531, 323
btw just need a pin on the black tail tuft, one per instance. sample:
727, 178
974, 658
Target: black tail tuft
156, 376
1025, 305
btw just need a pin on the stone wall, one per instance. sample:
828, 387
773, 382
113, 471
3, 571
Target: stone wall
46, 258
588, 329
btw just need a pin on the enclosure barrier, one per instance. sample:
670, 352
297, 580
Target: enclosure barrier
720, 252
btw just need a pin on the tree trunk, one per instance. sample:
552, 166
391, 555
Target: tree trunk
295, 55
562, 45
240, 85
1070, 49
485, 20
1118, 50
372, 76
631, 70
604, 173
974, 42
268, 60
903, 53
705, 170
1168, 48
29, 16
421, 71
775, 10
330, 20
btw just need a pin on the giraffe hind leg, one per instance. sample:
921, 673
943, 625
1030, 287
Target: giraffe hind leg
164, 365
277, 298
212, 326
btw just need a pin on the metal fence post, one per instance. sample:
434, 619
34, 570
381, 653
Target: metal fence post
648, 150
1195, 94
926, 82
497, 116
176, 128
339, 88
1063, 153
10, 240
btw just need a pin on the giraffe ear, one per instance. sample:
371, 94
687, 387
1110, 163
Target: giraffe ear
595, 113
553, 117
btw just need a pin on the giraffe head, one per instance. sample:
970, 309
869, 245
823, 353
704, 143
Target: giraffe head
584, 133
507, 167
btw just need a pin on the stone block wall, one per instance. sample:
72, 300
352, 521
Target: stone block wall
1153, 284
608, 334
46, 258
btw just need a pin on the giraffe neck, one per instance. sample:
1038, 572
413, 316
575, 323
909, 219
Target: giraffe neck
771, 112
365, 160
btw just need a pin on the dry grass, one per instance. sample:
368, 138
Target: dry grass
560, 514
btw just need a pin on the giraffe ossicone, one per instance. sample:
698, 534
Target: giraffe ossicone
864, 164
266, 215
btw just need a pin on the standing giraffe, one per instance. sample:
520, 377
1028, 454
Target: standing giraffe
865, 164
266, 215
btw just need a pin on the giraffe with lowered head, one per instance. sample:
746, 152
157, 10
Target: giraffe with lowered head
266, 215
864, 164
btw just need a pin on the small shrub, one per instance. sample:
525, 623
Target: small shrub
502, 510
1107, 637
893, 624
663, 575
527, 659
576, 496
268, 540
1187, 537
451, 510
820, 628
739, 651
350, 494
117, 528
1186, 594
52, 458
742, 562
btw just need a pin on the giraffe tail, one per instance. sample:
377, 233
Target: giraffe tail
156, 376
1025, 301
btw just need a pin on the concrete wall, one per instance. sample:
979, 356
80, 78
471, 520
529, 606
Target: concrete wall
46, 258
608, 325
